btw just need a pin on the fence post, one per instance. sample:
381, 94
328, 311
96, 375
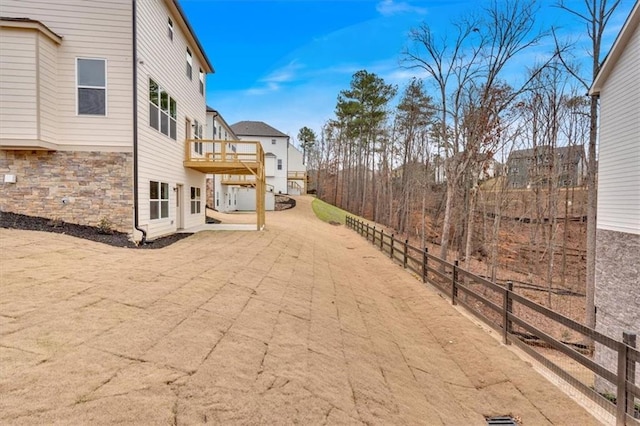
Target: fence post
626, 372
391, 246
424, 264
373, 241
404, 258
382, 239
507, 308
367, 237
454, 279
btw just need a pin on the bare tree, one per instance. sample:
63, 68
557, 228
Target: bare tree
596, 16
467, 74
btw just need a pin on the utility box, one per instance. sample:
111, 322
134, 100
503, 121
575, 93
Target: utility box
9, 178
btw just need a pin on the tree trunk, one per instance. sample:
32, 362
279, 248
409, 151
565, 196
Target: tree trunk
592, 211
446, 224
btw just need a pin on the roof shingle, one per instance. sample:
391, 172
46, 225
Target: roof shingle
256, 128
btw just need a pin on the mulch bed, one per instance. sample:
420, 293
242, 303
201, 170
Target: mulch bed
116, 239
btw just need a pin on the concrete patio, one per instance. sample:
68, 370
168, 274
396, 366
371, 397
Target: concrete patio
303, 322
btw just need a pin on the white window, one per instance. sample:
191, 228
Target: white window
189, 64
170, 29
195, 200
91, 83
158, 200
197, 134
279, 164
162, 110
201, 82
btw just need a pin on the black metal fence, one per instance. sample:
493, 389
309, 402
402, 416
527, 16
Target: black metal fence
529, 325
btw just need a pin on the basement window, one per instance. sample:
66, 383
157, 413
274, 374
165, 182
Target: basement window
158, 200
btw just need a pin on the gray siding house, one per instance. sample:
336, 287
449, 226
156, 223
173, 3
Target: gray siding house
528, 168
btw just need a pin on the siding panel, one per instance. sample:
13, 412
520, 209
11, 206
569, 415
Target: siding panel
98, 29
619, 155
161, 158
18, 96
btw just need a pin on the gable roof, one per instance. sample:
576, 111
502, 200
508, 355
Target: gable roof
256, 128
630, 25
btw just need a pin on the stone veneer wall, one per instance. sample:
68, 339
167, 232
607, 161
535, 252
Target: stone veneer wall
617, 294
74, 186
209, 197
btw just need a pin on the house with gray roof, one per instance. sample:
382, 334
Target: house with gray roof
275, 145
527, 168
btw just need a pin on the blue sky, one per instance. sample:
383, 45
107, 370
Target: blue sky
284, 62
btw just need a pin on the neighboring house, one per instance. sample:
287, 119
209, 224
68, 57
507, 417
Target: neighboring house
228, 192
617, 292
296, 172
99, 101
276, 147
220, 197
528, 168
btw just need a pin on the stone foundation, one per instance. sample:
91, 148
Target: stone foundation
617, 294
73, 186
209, 197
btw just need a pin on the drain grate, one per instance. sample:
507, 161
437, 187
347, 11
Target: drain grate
501, 421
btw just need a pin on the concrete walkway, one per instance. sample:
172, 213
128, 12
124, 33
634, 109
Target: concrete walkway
304, 323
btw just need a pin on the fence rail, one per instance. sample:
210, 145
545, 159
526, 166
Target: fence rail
511, 315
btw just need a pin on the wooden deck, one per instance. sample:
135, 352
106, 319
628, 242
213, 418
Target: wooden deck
230, 158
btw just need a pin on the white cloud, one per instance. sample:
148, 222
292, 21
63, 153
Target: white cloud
274, 80
391, 7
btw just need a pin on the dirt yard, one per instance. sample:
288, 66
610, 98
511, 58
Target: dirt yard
302, 323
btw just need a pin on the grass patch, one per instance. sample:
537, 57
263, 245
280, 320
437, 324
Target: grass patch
328, 213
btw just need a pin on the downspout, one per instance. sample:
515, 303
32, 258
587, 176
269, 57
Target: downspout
134, 60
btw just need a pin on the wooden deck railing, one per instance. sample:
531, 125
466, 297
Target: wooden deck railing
297, 175
238, 180
512, 316
242, 158
206, 150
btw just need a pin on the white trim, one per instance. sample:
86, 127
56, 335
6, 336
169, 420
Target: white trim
106, 91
